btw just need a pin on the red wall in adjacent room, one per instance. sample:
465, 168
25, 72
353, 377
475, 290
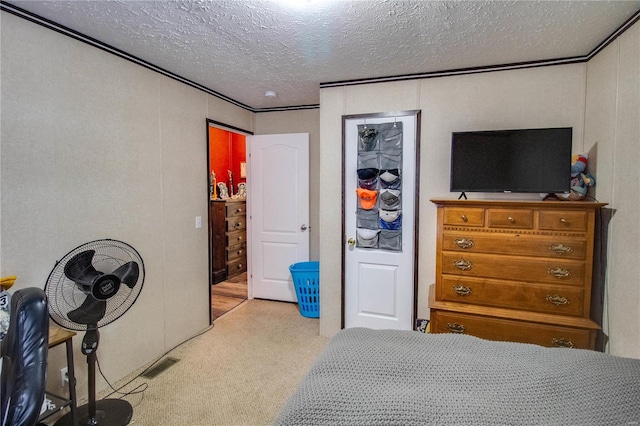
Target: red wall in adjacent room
238, 155
226, 151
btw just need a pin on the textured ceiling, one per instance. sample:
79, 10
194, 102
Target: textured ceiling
242, 48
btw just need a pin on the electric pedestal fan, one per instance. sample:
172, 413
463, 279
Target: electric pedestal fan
90, 287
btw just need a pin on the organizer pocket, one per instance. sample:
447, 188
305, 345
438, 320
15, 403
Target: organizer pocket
390, 240
367, 238
391, 141
367, 219
367, 159
390, 219
390, 160
367, 138
367, 198
390, 179
390, 199
368, 178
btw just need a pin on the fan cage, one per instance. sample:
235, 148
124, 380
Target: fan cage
65, 296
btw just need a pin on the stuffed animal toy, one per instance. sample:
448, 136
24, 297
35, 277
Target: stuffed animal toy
580, 179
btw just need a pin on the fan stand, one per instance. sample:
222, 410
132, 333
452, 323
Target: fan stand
106, 412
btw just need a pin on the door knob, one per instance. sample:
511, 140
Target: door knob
303, 227
351, 242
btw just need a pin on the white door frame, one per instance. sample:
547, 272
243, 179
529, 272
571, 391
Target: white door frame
345, 118
232, 129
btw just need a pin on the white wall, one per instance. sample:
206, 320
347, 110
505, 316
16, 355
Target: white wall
612, 138
300, 121
93, 146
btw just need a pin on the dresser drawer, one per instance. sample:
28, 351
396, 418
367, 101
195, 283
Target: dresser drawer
236, 209
511, 330
236, 223
237, 266
510, 218
527, 245
561, 300
463, 216
514, 268
236, 238
236, 252
562, 220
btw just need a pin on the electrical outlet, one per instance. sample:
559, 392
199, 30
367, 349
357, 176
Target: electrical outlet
64, 376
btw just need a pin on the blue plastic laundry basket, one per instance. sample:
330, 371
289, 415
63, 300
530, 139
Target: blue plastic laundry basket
306, 280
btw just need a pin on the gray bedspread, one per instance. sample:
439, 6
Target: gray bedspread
386, 377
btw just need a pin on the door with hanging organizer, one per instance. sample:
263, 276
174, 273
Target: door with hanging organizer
380, 219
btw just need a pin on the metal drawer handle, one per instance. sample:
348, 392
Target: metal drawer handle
562, 343
239, 251
557, 300
462, 290
464, 218
463, 265
454, 327
560, 249
511, 220
240, 238
239, 224
559, 272
239, 265
564, 221
464, 243
239, 211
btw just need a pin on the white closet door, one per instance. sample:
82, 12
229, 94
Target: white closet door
379, 283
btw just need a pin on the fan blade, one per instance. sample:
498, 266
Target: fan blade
80, 270
90, 312
128, 273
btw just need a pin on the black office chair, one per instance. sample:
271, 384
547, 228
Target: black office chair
24, 353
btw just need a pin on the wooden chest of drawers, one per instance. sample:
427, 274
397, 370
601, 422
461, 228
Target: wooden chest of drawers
516, 271
228, 239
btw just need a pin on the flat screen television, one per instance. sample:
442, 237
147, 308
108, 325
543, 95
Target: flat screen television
522, 160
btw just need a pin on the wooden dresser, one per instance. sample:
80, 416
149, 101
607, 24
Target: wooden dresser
228, 238
516, 271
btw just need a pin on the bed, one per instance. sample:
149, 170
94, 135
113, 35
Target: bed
384, 377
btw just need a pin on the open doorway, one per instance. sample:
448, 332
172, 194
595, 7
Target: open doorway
226, 148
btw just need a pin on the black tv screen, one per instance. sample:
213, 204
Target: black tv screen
523, 160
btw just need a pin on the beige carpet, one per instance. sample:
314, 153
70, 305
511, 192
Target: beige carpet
241, 372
